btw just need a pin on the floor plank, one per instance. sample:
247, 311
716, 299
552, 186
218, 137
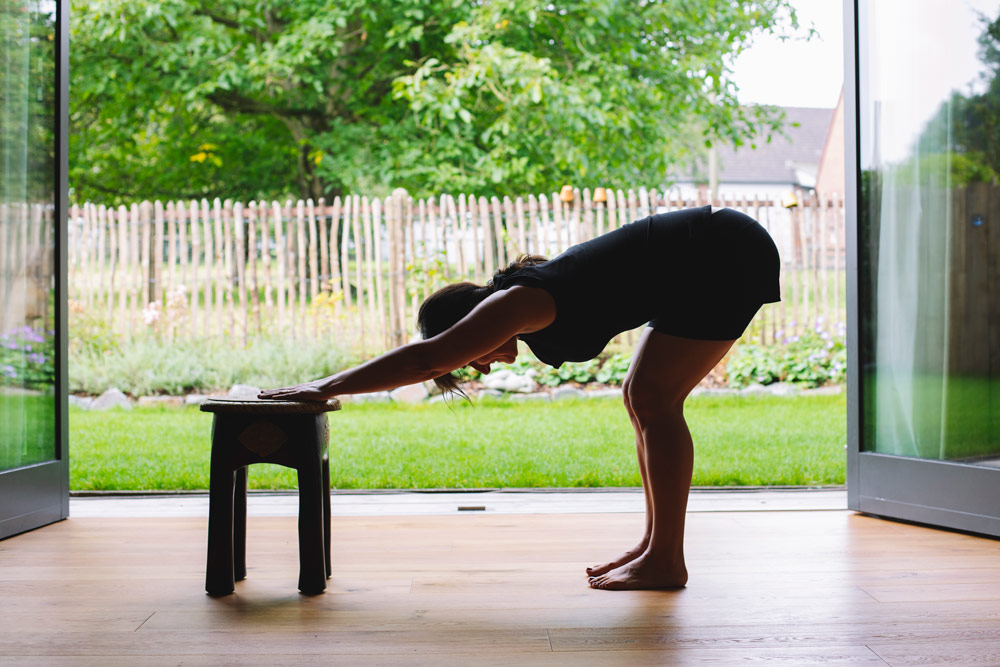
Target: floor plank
794, 588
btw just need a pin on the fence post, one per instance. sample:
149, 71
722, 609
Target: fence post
241, 283
557, 222
255, 217
488, 245
537, 234
359, 267
499, 237
345, 264
409, 229
623, 210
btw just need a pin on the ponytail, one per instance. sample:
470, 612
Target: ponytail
496, 283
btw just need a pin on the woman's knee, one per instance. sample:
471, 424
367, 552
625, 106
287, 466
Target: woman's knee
646, 402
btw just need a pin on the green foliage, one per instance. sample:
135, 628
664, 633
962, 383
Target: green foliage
739, 440
27, 115
960, 144
604, 369
92, 331
266, 98
146, 366
814, 359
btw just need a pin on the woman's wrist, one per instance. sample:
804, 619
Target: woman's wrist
330, 384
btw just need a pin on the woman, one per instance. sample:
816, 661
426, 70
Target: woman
697, 276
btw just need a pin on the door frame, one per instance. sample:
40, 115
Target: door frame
939, 493
37, 495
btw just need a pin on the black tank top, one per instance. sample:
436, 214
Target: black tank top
624, 278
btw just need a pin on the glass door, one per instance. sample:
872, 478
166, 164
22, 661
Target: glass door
925, 396
34, 464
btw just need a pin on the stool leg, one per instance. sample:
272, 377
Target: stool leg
219, 578
240, 525
326, 516
312, 565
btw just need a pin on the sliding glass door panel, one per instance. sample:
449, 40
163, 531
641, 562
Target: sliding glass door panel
33, 457
925, 77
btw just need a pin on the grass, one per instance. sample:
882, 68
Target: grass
739, 440
953, 417
27, 429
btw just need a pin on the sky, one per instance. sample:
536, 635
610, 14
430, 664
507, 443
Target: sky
797, 72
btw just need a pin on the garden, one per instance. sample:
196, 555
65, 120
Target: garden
769, 415
291, 229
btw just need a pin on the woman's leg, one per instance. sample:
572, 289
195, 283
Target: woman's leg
640, 450
666, 369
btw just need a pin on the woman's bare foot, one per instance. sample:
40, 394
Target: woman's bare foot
626, 557
642, 573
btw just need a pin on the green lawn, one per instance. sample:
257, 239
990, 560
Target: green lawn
739, 440
27, 429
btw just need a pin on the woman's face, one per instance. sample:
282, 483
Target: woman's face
506, 353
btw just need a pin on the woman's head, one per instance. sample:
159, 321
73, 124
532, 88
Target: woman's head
445, 307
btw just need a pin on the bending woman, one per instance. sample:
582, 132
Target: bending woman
697, 276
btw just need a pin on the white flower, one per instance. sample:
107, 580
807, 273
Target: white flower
151, 313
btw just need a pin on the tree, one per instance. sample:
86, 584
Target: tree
962, 139
247, 98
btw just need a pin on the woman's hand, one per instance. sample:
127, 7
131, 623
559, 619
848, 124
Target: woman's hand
308, 391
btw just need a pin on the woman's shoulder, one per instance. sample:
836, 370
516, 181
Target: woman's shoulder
533, 306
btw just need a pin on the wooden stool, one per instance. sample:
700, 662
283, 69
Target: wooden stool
289, 433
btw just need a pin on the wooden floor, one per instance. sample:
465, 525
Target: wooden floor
794, 588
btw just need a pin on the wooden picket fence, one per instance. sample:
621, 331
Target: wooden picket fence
357, 268
27, 240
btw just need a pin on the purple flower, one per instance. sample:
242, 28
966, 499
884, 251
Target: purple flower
9, 371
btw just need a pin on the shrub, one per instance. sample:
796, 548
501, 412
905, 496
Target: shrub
146, 366
605, 369
813, 359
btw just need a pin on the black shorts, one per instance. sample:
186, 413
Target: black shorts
733, 271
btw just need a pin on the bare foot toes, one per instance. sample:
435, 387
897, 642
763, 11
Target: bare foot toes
626, 557
641, 573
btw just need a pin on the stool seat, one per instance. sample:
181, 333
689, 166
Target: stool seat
264, 406
294, 434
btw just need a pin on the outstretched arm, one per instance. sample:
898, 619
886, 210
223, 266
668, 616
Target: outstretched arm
496, 320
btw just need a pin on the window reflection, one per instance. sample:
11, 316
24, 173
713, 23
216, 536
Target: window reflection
27, 232
930, 229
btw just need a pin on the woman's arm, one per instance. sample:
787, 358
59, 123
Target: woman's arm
493, 322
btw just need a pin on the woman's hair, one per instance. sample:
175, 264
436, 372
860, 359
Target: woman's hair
445, 307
